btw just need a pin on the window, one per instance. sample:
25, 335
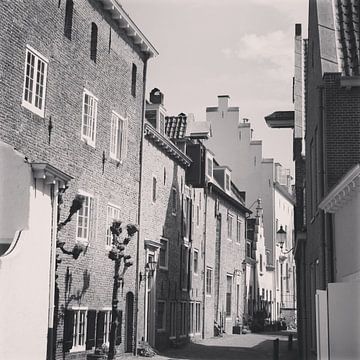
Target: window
84, 219
248, 249
230, 225
227, 182
197, 318
35, 82
183, 319
107, 326
164, 254
133, 80
88, 129
196, 261
208, 281
191, 320
238, 231
112, 214
228, 294
69, 11
118, 141
187, 217
261, 263
184, 267
154, 189
210, 167
172, 319
79, 326
238, 298
93, 42
161, 316
174, 201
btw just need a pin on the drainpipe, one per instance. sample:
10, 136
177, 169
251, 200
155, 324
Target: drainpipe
137, 276
204, 256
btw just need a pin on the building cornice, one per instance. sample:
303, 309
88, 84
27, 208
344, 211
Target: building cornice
125, 23
342, 192
227, 197
50, 174
166, 145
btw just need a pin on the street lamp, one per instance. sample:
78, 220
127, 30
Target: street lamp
281, 237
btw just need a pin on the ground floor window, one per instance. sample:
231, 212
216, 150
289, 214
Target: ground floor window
197, 318
160, 316
172, 319
183, 319
191, 315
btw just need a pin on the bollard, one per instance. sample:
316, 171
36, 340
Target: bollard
290, 342
276, 349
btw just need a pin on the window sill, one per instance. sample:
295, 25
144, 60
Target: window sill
77, 349
163, 268
33, 109
88, 141
160, 330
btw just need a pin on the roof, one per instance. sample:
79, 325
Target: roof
347, 26
175, 126
127, 24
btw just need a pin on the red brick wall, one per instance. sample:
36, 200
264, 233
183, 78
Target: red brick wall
40, 24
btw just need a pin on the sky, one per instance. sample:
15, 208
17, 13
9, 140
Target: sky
240, 48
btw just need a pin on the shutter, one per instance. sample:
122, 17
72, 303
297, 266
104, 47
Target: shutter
191, 220
118, 328
194, 175
90, 331
68, 330
183, 216
100, 329
92, 219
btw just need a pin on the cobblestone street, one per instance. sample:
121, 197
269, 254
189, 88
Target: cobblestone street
231, 347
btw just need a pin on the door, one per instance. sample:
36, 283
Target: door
129, 322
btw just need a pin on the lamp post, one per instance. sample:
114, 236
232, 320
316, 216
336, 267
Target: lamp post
117, 255
281, 239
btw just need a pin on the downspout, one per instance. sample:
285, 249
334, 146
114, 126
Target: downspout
137, 276
324, 225
204, 256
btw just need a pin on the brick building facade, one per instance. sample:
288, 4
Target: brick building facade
72, 95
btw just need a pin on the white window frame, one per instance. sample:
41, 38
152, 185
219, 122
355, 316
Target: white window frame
191, 318
230, 232
197, 318
90, 219
231, 278
163, 322
118, 151
108, 235
209, 160
76, 347
238, 231
89, 139
166, 266
107, 324
183, 319
30, 105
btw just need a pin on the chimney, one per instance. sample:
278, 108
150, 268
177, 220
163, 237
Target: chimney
156, 96
223, 102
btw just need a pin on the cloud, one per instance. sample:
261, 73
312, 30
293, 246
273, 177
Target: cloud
272, 52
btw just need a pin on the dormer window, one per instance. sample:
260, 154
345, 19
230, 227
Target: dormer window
209, 166
227, 182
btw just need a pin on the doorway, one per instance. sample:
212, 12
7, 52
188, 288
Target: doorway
129, 322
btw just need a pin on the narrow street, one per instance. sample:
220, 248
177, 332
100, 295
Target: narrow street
231, 347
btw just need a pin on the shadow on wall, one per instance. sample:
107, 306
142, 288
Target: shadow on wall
15, 183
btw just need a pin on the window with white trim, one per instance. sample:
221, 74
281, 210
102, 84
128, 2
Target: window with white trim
229, 280
161, 316
79, 327
84, 219
209, 164
89, 116
230, 225
112, 214
35, 81
154, 189
107, 326
118, 140
197, 318
191, 320
238, 231
164, 254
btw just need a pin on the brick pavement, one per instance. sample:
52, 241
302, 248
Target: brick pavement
231, 347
